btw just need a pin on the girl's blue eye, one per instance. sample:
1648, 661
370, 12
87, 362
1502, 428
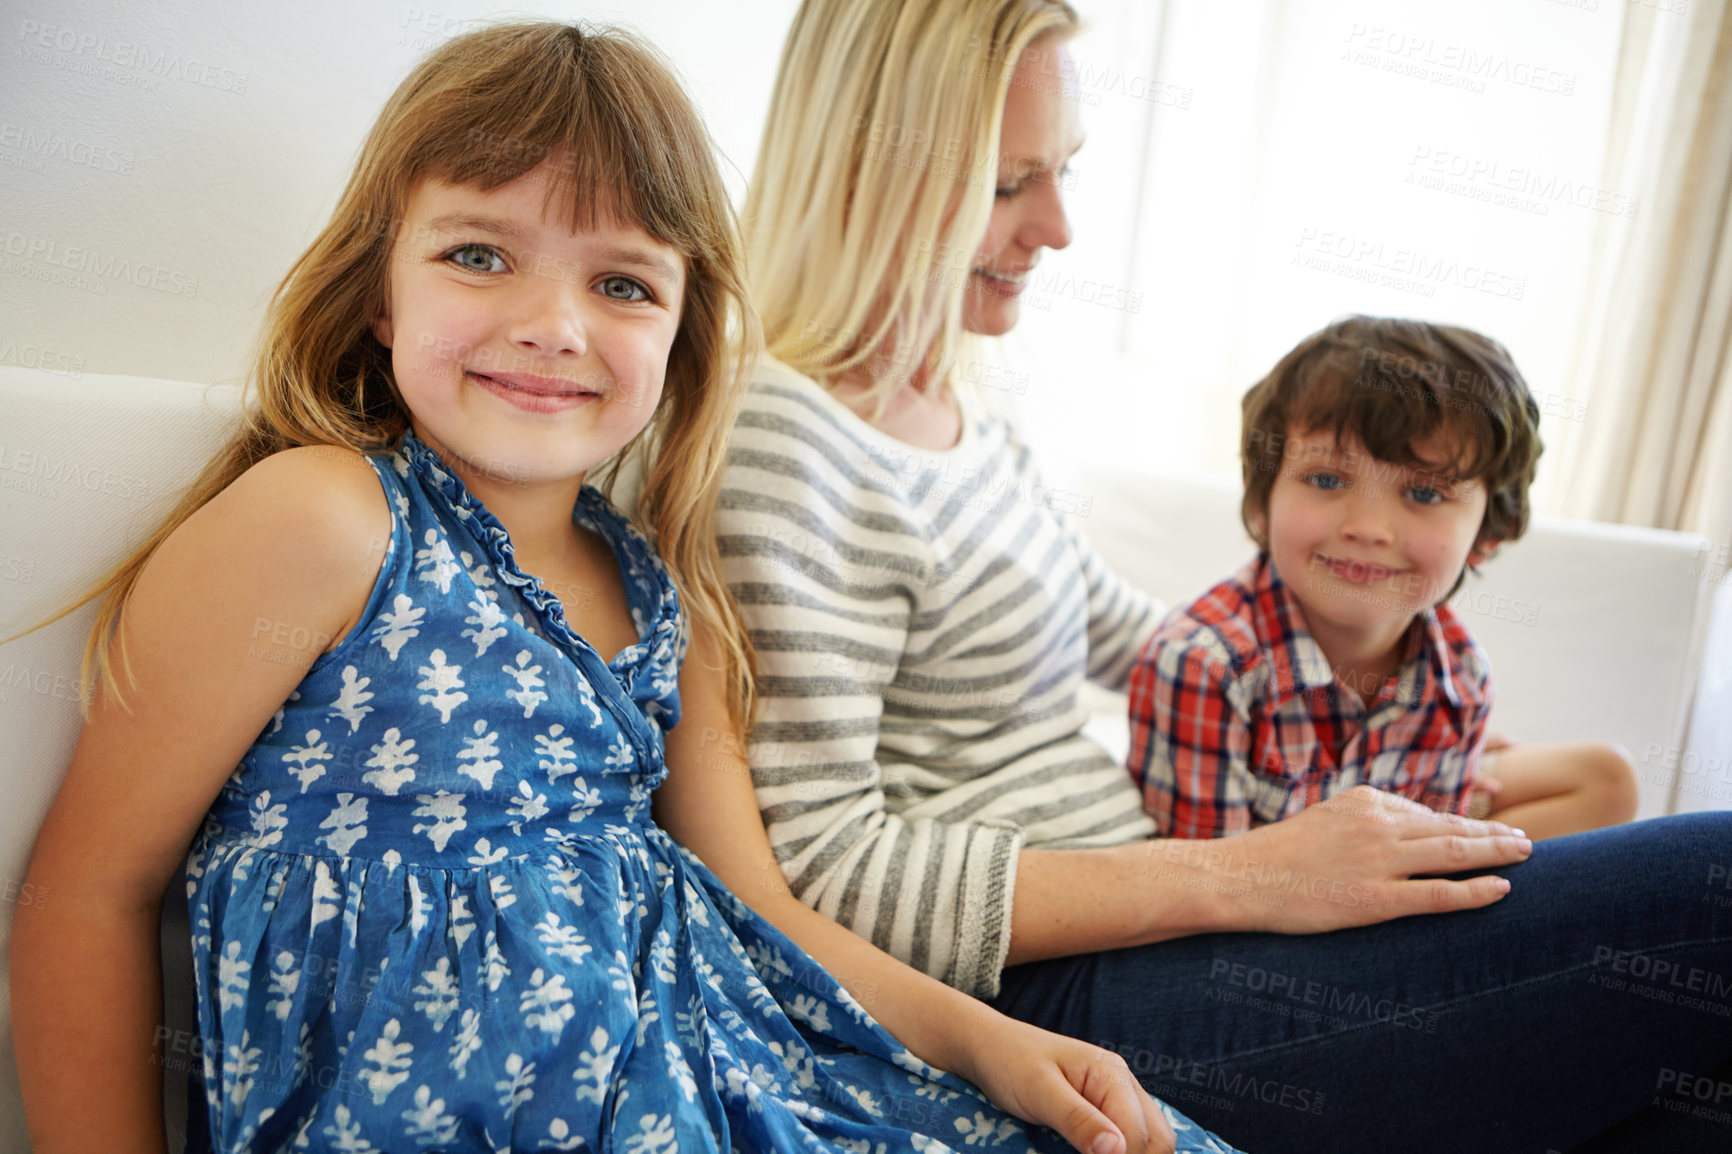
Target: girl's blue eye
1007, 191
1328, 482
1424, 495
476, 258
623, 288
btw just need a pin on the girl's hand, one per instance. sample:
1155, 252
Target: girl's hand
1084, 1092
1497, 741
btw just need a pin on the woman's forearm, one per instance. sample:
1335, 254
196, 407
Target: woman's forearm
1086, 900
86, 983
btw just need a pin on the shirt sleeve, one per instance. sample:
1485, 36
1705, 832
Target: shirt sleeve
1122, 617
829, 630
1190, 739
1452, 791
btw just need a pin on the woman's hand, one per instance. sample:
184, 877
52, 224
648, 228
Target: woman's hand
1084, 1092
1361, 857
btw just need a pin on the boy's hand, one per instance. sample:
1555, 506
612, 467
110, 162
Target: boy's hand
1363, 856
1087, 1094
1482, 800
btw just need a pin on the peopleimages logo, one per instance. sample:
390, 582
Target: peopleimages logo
1293, 995
92, 262
1662, 980
158, 62
1511, 185
1454, 65
34, 356
1369, 258
41, 144
53, 472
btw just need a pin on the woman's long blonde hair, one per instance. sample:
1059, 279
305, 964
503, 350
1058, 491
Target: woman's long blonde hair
482, 110
875, 178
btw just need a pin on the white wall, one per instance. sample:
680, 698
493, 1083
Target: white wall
162, 165
160, 169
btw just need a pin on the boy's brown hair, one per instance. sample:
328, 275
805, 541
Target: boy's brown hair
1389, 383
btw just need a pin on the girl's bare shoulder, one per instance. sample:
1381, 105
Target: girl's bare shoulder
315, 503
226, 617
327, 502
329, 479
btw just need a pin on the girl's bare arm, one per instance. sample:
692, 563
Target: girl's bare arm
296, 542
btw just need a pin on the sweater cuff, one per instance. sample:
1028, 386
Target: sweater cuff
988, 896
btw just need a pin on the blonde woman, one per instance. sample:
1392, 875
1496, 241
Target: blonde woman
922, 620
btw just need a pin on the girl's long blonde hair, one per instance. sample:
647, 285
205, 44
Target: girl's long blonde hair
875, 178
482, 110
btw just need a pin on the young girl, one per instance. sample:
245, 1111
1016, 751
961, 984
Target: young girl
416, 731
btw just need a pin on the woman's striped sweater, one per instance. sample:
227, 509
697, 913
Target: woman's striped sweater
923, 621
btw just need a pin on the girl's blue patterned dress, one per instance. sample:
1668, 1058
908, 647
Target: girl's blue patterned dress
431, 911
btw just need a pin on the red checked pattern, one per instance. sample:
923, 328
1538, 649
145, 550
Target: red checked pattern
1237, 719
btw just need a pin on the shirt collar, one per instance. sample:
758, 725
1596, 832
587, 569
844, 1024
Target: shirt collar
1301, 666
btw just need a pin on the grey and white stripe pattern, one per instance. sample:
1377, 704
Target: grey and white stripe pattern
923, 621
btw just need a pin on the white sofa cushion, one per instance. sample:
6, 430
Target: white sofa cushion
87, 466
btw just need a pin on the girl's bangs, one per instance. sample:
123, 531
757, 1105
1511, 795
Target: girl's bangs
597, 118
587, 185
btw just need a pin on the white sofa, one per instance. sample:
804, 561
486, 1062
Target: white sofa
1614, 648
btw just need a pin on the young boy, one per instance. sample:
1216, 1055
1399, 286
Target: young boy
1381, 459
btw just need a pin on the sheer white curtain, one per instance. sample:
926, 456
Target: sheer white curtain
1255, 168
1654, 358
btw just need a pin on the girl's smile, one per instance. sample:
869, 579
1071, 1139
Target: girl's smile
535, 394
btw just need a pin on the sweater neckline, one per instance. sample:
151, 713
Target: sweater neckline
779, 372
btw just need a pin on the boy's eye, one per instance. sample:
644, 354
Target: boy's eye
623, 288
1328, 482
476, 258
1424, 495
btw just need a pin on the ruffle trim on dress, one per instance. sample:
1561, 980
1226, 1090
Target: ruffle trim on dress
657, 641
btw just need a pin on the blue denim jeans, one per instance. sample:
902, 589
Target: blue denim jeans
1595, 997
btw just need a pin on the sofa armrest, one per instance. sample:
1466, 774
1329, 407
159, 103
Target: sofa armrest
88, 465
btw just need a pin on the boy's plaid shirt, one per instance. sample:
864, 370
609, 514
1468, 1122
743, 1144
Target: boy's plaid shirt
1237, 719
